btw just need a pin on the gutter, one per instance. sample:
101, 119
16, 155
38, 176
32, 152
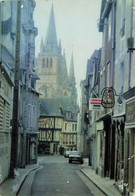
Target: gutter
106, 10
104, 13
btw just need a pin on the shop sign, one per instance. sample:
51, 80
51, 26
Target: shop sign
95, 104
130, 112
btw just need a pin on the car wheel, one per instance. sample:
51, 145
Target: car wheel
81, 162
70, 161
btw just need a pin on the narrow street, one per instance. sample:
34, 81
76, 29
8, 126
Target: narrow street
56, 177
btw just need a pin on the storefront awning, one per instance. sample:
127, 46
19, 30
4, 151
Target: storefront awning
104, 117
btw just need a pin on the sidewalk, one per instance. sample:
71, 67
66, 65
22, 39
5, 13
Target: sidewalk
11, 186
104, 184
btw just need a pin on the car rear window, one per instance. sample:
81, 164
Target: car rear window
75, 153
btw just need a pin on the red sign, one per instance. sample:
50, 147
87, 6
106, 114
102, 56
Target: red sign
95, 101
95, 104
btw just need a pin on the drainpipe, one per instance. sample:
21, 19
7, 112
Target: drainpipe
15, 126
113, 43
0, 31
126, 132
106, 9
130, 52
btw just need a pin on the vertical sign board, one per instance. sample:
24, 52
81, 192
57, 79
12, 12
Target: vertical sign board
95, 104
130, 113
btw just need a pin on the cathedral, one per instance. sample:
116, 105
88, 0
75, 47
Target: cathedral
58, 95
52, 69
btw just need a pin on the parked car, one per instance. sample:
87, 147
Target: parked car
76, 156
66, 154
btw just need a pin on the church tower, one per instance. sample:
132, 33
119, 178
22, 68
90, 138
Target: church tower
72, 83
52, 69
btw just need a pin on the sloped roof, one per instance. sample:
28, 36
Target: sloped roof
55, 106
6, 57
90, 63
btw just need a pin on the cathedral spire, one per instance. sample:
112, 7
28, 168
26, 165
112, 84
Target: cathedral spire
51, 37
41, 46
71, 71
72, 83
60, 47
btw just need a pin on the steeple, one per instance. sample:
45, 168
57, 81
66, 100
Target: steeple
71, 71
60, 46
41, 46
72, 83
51, 37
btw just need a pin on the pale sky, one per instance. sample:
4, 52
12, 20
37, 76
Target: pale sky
76, 26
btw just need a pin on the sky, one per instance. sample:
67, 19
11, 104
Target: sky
76, 25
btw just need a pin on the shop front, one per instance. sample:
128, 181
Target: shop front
105, 146
119, 134
129, 156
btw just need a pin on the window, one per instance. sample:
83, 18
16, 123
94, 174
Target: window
123, 19
109, 27
122, 31
43, 62
75, 127
47, 62
73, 139
121, 82
66, 139
50, 62
108, 75
72, 127
65, 126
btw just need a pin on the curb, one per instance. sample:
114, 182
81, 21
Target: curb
96, 184
23, 178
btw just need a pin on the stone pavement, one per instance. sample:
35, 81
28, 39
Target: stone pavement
11, 186
104, 184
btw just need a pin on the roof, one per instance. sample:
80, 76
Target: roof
91, 63
55, 106
6, 57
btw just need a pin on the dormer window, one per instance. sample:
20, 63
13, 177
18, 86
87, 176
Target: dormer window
61, 111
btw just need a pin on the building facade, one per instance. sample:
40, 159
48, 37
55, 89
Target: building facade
114, 124
19, 149
6, 89
6, 85
57, 126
